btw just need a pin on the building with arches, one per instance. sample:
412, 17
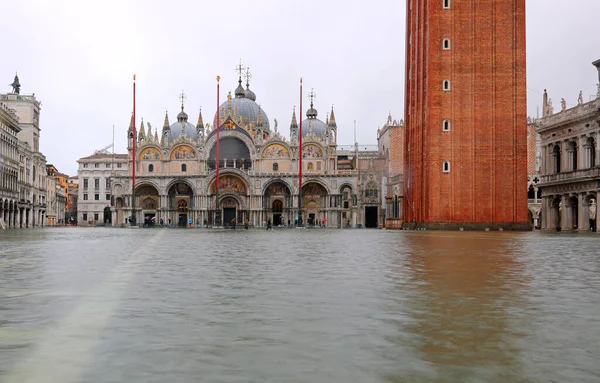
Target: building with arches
22, 165
176, 170
570, 165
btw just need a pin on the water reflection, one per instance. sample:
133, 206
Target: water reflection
465, 291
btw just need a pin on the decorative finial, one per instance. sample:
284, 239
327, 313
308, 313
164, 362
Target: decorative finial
240, 70
182, 97
247, 77
312, 95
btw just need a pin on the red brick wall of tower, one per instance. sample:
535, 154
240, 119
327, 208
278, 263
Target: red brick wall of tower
486, 106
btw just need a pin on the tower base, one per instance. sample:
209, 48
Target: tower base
469, 226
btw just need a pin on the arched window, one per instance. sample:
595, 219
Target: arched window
446, 126
446, 167
446, 85
446, 44
183, 167
150, 168
446, 4
275, 167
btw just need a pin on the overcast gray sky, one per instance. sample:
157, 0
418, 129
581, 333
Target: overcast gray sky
79, 59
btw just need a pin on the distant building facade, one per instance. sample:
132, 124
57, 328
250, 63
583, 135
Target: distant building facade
570, 164
94, 178
29, 209
56, 196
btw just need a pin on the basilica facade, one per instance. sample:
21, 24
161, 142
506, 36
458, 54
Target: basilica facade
258, 171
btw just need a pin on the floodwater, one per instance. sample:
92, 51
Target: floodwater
197, 305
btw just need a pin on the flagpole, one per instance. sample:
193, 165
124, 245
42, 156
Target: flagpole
217, 212
300, 154
133, 219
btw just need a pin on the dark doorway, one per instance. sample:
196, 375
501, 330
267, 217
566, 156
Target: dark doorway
149, 220
311, 219
277, 210
371, 216
107, 216
182, 220
228, 215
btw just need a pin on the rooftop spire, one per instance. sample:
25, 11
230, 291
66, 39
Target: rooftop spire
166, 123
332, 118
142, 134
294, 123
131, 122
200, 123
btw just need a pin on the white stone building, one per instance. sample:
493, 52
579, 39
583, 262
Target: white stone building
570, 180
94, 178
30, 208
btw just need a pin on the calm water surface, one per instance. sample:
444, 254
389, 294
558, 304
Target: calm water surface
159, 305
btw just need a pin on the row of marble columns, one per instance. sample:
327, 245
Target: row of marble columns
22, 218
582, 153
568, 211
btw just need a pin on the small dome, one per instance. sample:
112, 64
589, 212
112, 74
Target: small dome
315, 126
183, 128
182, 116
250, 94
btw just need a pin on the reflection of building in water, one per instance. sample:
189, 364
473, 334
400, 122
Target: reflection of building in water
258, 171
460, 304
570, 180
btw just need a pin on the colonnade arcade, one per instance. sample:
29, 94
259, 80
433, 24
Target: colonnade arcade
570, 211
15, 215
571, 154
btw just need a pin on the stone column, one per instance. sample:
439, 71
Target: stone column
545, 211
564, 212
597, 142
584, 213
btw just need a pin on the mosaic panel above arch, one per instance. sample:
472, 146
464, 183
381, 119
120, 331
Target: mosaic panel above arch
229, 184
311, 151
313, 189
150, 154
275, 151
183, 152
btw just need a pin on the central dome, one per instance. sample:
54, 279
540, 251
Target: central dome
244, 107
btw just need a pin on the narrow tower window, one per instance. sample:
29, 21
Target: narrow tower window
446, 85
446, 4
446, 126
446, 44
150, 168
183, 167
446, 167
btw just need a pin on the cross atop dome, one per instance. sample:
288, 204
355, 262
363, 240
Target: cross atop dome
240, 69
312, 95
182, 97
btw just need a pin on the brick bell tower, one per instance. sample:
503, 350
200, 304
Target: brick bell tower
466, 115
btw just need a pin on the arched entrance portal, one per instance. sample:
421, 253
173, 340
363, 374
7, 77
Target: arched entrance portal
277, 203
230, 208
234, 187
314, 196
147, 198
107, 216
180, 204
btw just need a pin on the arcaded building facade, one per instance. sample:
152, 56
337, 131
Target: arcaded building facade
176, 170
570, 181
465, 115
